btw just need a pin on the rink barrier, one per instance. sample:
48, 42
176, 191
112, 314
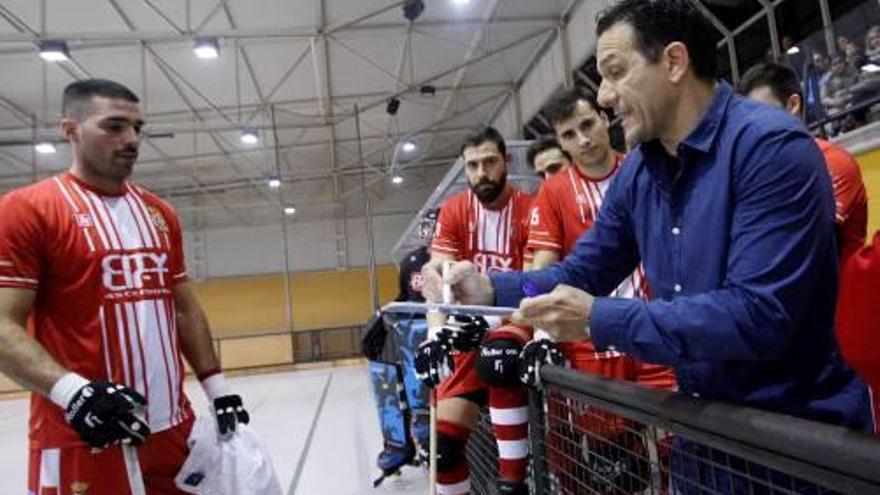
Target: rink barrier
591, 434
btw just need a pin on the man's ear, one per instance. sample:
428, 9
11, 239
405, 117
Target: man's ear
795, 105
69, 129
676, 61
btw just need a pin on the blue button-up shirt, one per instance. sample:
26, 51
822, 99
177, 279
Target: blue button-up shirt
738, 247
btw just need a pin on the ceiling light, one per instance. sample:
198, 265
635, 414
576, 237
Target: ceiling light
461, 2
397, 179
427, 90
207, 48
871, 68
250, 136
289, 210
408, 146
392, 106
45, 148
274, 182
793, 50
54, 51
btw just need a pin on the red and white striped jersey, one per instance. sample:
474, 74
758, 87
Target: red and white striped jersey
494, 240
565, 208
104, 268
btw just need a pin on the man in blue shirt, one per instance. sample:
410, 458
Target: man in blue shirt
728, 205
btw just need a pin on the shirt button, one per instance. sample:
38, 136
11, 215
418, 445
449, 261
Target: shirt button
677, 288
676, 231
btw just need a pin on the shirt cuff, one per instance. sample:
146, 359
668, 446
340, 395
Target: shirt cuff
508, 289
608, 324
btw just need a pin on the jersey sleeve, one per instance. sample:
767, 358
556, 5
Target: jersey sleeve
849, 190
545, 223
447, 238
21, 241
177, 257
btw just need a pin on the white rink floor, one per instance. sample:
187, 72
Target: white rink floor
283, 406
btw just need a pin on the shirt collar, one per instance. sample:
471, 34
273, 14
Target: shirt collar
704, 134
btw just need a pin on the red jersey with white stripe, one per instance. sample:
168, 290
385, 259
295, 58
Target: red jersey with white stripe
104, 268
494, 240
564, 209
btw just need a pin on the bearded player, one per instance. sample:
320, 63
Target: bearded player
487, 225
95, 312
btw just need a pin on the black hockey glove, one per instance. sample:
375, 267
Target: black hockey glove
105, 413
230, 411
536, 354
463, 333
434, 362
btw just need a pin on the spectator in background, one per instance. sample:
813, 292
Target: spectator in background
858, 325
835, 91
776, 85
854, 57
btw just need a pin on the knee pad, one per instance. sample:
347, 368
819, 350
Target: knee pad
498, 362
450, 453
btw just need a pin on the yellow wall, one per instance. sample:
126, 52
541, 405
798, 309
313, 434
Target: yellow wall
327, 299
870, 163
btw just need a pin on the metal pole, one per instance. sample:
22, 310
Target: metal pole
828, 28
288, 303
368, 208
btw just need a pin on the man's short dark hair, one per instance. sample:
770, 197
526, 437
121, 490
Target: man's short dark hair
542, 145
657, 23
78, 94
781, 80
485, 134
562, 104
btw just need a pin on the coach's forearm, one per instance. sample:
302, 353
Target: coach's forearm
25, 361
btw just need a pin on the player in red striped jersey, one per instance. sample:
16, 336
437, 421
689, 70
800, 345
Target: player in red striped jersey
565, 208
487, 225
91, 266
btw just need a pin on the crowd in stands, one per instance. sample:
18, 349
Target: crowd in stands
842, 90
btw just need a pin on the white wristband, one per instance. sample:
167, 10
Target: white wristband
215, 386
65, 388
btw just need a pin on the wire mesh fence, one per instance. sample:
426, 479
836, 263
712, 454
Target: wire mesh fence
591, 435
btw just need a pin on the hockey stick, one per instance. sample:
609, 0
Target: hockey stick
133, 468
432, 457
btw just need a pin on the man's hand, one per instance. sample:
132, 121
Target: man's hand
228, 407
434, 362
468, 285
564, 313
536, 354
105, 413
463, 333
230, 411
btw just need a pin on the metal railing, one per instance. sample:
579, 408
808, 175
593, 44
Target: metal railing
593, 435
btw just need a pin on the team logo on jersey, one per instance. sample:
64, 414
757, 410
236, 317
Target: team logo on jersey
83, 220
79, 488
132, 271
157, 219
489, 263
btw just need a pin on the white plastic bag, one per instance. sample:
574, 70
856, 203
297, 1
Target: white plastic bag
237, 466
